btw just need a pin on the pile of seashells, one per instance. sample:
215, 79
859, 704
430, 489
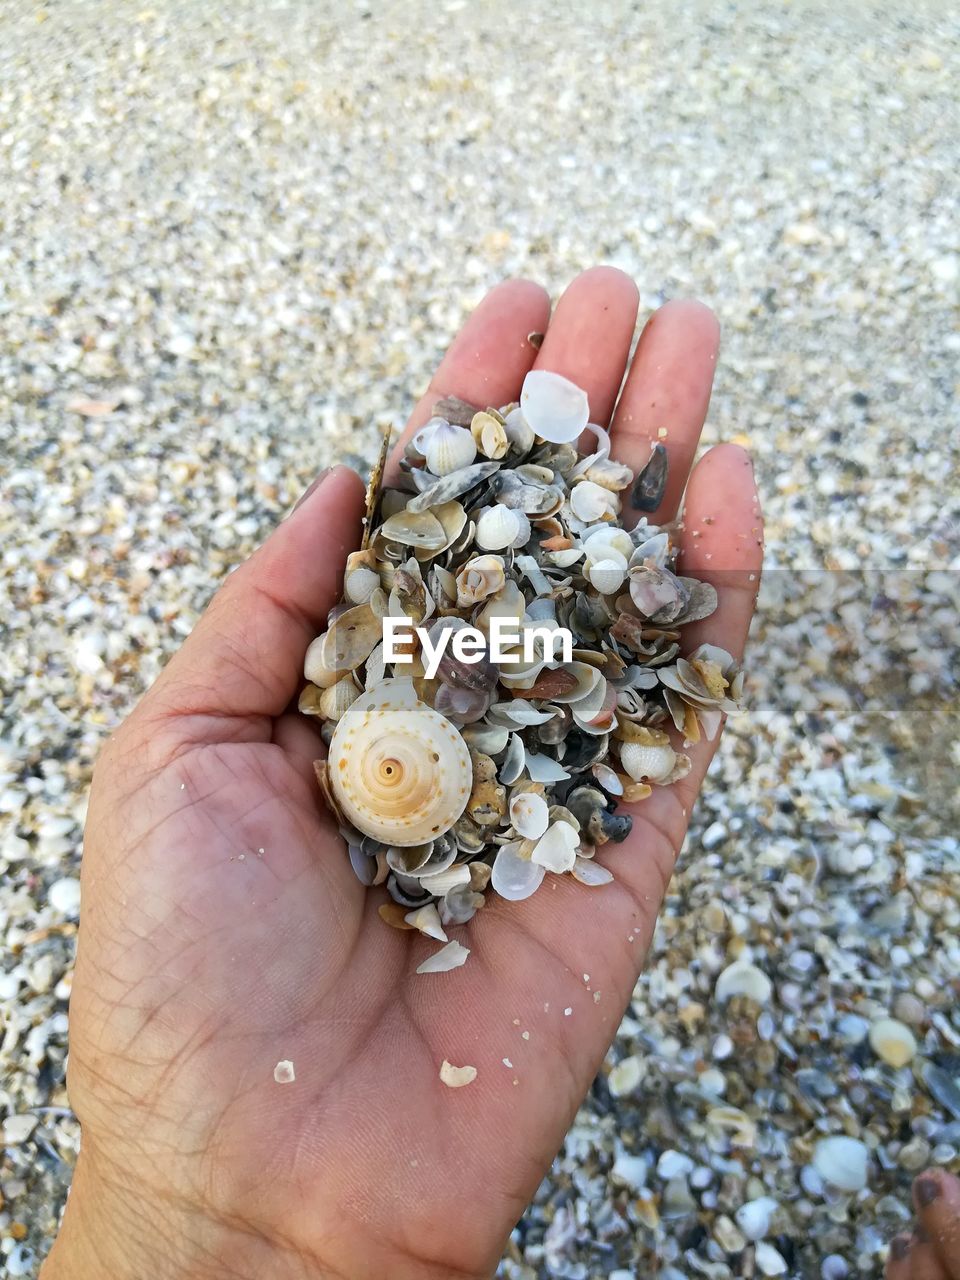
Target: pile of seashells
496, 774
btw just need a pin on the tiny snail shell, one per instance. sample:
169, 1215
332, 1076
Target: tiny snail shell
399, 771
641, 761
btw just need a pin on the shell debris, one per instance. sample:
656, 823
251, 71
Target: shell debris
456, 768
456, 1077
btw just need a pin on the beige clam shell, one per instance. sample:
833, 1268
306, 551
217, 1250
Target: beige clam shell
400, 771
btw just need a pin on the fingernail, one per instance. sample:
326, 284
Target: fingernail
928, 1190
899, 1248
310, 489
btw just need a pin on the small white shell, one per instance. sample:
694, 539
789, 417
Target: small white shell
515, 878
529, 814
564, 559
513, 761
556, 849
589, 872
589, 501
443, 881
422, 438
753, 1218
452, 956
498, 527
336, 700
319, 664
414, 529
399, 770
842, 1161
608, 779
520, 711
893, 1041
508, 602
607, 576
449, 448
607, 542
359, 584
609, 474
645, 763
553, 406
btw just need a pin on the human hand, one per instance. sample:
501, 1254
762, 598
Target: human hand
223, 930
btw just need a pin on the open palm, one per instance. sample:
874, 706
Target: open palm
223, 930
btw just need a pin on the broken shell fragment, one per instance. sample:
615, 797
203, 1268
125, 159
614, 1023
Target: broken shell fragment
456, 1077
589, 872
452, 956
556, 848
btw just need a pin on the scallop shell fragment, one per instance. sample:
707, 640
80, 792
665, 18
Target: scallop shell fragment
452, 956
399, 770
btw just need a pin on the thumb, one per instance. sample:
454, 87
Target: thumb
243, 661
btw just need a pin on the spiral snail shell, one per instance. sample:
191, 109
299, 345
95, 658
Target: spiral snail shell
399, 771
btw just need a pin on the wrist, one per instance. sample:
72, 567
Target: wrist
112, 1228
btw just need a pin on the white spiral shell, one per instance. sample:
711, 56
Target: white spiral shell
400, 771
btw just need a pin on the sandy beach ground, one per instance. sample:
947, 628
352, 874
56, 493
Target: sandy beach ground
234, 240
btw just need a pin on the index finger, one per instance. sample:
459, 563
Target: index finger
488, 359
